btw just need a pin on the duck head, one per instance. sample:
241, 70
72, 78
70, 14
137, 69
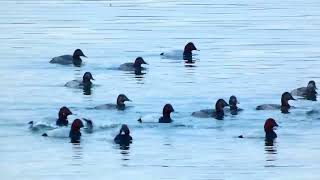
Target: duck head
233, 101
120, 101
76, 125
312, 86
285, 98
124, 129
220, 104
167, 110
138, 62
189, 48
77, 53
64, 112
270, 124
87, 77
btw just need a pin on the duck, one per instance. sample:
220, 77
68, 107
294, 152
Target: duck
119, 106
64, 131
166, 112
185, 55
123, 138
75, 133
63, 114
89, 126
84, 83
284, 107
136, 66
269, 126
234, 109
308, 92
217, 113
69, 59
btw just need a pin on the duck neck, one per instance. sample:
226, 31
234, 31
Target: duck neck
270, 134
166, 116
86, 82
137, 65
233, 107
285, 103
120, 105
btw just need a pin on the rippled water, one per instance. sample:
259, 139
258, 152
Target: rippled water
253, 49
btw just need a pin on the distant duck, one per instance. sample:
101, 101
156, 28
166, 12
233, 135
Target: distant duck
284, 107
123, 138
63, 114
217, 113
120, 103
269, 126
69, 59
233, 102
75, 133
136, 66
84, 83
185, 55
166, 114
308, 92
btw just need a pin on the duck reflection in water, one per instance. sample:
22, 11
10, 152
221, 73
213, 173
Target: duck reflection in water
123, 138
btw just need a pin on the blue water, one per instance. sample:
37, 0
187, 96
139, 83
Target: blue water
252, 49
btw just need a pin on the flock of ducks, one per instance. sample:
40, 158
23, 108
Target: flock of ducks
218, 112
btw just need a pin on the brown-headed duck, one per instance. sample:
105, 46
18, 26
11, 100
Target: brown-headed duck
233, 104
217, 113
185, 55
166, 114
308, 92
84, 83
284, 107
123, 138
133, 66
69, 59
120, 103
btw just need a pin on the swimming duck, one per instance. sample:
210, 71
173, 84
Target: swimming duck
185, 55
120, 103
69, 59
308, 92
89, 126
284, 107
269, 126
75, 133
85, 83
218, 113
63, 114
166, 112
234, 109
133, 66
123, 138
